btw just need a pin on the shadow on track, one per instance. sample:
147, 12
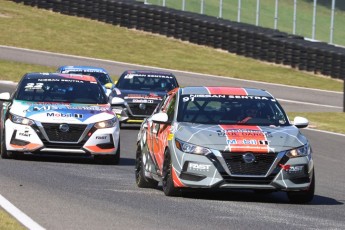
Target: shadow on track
250, 196
71, 159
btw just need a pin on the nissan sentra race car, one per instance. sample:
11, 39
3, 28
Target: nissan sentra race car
101, 74
138, 92
60, 114
224, 138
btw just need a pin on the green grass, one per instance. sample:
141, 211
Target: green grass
334, 122
32, 28
13, 71
8, 223
285, 15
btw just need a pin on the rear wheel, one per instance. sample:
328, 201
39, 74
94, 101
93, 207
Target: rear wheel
301, 197
169, 188
141, 180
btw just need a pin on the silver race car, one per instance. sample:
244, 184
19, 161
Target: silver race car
224, 138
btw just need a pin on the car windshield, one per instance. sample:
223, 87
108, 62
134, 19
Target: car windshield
103, 78
61, 90
147, 83
229, 109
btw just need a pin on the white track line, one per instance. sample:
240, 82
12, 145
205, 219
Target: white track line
19, 215
308, 103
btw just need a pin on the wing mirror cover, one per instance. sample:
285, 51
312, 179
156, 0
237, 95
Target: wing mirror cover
5, 96
301, 122
117, 101
161, 118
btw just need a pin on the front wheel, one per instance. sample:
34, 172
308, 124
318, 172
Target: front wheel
302, 197
169, 188
141, 180
3, 151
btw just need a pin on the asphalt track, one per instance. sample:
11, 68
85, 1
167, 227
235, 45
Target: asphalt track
74, 193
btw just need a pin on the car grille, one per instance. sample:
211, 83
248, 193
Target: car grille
72, 135
136, 111
48, 144
259, 167
249, 180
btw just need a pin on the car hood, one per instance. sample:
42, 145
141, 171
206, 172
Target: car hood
240, 138
62, 112
138, 95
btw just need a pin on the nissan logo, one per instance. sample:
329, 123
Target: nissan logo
248, 157
64, 128
142, 106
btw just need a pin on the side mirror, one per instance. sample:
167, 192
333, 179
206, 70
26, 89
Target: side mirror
301, 122
5, 96
117, 101
160, 118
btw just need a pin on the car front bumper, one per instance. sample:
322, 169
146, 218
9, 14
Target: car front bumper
37, 139
213, 171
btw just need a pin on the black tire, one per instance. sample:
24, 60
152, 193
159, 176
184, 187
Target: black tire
3, 151
167, 181
302, 197
141, 180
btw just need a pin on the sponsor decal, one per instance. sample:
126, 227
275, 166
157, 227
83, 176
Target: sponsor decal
242, 132
83, 71
241, 138
199, 167
25, 134
142, 101
293, 169
34, 86
151, 96
59, 115
93, 108
131, 75
191, 97
101, 137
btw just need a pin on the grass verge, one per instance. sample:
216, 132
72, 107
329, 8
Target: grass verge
333, 122
9, 223
33, 28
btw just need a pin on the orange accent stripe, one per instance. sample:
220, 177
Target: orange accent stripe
98, 149
29, 147
177, 181
227, 91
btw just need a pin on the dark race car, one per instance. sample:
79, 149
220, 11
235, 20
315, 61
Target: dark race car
137, 93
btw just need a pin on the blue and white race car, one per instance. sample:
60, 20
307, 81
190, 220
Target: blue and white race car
101, 74
59, 114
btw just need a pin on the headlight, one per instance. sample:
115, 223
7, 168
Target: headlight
21, 120
106, 124
190, 148
299, 152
